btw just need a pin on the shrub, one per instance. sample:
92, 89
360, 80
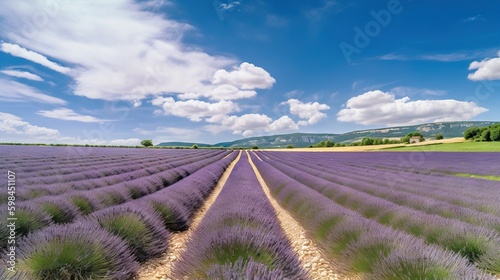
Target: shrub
85, 204
111, 197
29, 219
174, 216
78, 251
61, 211
439, 136
143, 231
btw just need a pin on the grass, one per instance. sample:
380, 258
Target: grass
452, 147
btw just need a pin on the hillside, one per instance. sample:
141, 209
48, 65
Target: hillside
300, 140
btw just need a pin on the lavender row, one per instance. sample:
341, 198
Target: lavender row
65, 173
480, 245
116, 181
43, 158
22, 156
108, 243
118, 172
361, 246
480, 195
38, 213
240, 236
373, 186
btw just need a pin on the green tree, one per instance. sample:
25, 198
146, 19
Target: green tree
195, 146
330, 143
439, 136
472, 132
147, 143
485, 135
289, 147
255, 147
495, 133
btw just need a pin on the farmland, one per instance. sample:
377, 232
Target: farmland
116, 213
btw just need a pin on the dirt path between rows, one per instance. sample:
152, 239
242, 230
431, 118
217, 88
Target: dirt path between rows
160, 268
307, 250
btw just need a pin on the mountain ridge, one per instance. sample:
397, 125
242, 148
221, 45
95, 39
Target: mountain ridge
300, 140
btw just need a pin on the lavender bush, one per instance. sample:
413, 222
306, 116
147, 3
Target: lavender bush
76, 251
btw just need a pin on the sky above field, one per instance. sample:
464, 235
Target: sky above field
116, 72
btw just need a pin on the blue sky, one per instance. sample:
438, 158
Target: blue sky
118, 71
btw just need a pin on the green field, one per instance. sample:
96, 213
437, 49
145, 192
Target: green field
453, 147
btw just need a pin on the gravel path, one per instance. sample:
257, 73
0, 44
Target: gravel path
319, 268
307, 250
160, 268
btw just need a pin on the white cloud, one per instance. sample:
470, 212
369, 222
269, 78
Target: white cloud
310, 111
229, 6
230, 92
405, 91
68, 115
249, 124
19, 51
282, 124
441, 57
14, 129
487, 69
126, 142
22, 74
246, 76
194, 110
473, 18
169, 134
13, 91
381, 108
151, 60
7, 116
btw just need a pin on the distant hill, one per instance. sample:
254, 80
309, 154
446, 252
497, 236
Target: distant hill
300, 140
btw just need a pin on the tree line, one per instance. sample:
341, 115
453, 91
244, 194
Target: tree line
485, 133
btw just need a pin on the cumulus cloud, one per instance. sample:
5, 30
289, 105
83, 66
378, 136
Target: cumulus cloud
246, 76
126, 142
220, 92
381, 108
310, 111
68, 115
249, 124
13, 91
487, 69
19, 51
22, 74
230, 92
194, 110
12, 127
87, 34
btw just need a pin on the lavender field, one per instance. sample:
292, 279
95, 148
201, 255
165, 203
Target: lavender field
117, 213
